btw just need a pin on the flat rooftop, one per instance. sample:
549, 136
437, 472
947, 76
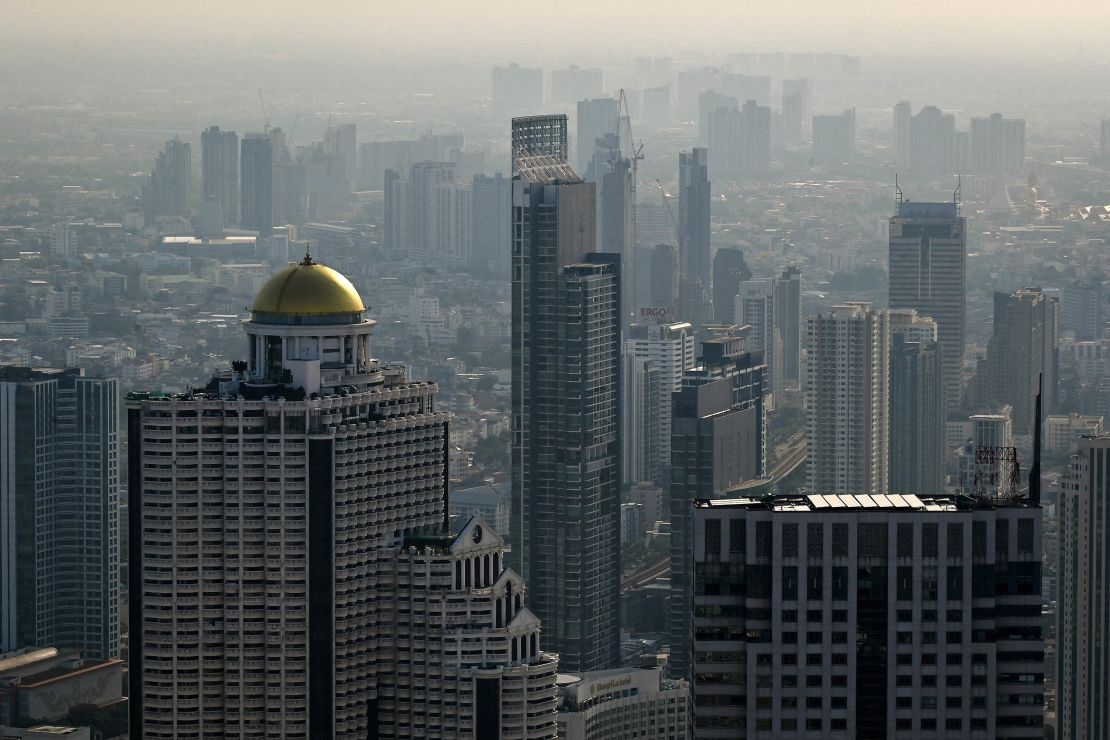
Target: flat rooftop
858, 502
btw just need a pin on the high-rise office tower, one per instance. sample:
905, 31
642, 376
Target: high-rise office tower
573, 84
536, 136
394, 201
342, 141
693, 215
903, 114
59, 494
933, 148
219, 166
729, 271
740, 142
667, 351
1082, 608
788, 324
797, 97
867, 617
755, 308
708, 102
168, 190
718, 441
517, 88
846, 393
491, 204
927, 261
566, 411
663, 280
1023, 348
1081, 309
997, 145
616, 215
834, 137
916, 405
289, 573
256, 184
596, 118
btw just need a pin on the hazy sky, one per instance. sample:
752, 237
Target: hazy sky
1072, 29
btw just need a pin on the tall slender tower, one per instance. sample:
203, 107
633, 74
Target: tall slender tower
168, 190
291, 575
256, 183
566, 416
693, 215
846, 394
916, 406
928, 256
788, 324
59, 494
219, 166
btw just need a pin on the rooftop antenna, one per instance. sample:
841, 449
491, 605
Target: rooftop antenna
897, 190
1035, 470
956, 192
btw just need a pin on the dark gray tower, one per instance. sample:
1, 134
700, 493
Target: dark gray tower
219, 166
693, 215
566, 416
257, 184
916, 416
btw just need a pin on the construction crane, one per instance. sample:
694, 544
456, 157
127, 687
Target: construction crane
670, 212
265, 113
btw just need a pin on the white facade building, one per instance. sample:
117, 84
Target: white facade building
622, 704
1062, 432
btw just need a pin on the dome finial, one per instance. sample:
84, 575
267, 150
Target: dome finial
308, 261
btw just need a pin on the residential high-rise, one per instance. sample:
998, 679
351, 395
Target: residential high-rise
708, 102
394, 204
303, 586
693, 215
718, 442
997, 145
834, 138
656, 356
1082, 608
1023, 348
797, 96
219, 165
491, 205
59, 494
452, 246
788, 324
517, 88
623, 704
729, 271
566, 411
596, 118
916, 405
932, 141
342, 141
256, 184
927, 261
903, 114
755, 308
1081, 309
846, 394
574, 83
168, 190
740, 142
616, 214
855, 616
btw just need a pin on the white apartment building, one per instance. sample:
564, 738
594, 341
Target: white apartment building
622, 704
1062, 432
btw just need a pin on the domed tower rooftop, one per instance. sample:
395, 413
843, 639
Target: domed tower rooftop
309, 290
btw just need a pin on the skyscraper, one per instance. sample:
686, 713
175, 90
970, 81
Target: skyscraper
740, 142
834, 137
796, 100
1023, 348
256, 184
755, 308
932, 141
693, 215
903, 112
596, 118
303, 586
168, 190
927, 260
491, 206
59, 491
916, 406
788, 324
517, 88
729, 271
846, 393
566, 402
574, 83
997, 145
342, 141
867, 617
219, 165
667, 351
718, 441
1082, 610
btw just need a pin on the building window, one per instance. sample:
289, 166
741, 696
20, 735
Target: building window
712, 539
816, 586
737, 528
979, 539
955, 537
840, 539
929, 540
1001, 538
764, 540
815, 540
790, 540
955, 582
789, 582
871, 537
904, 576
1025, 536
905, 539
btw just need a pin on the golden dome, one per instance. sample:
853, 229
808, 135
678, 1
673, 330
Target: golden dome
307, 288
